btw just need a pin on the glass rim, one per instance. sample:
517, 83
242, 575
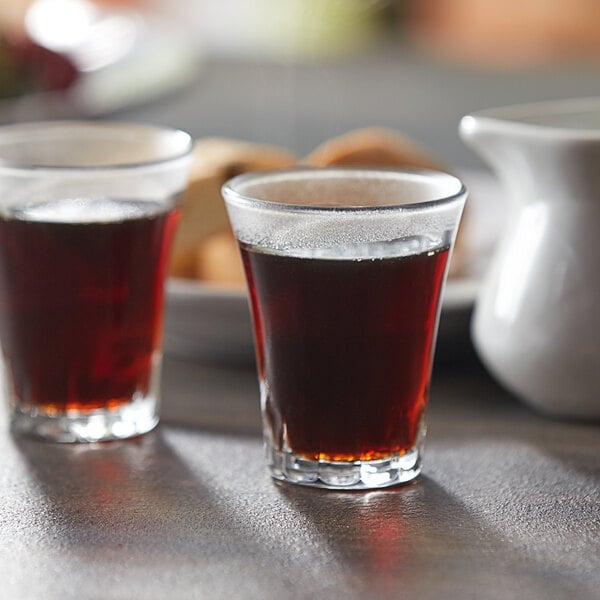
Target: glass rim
231, 188
187, 145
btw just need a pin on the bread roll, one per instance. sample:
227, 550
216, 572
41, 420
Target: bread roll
371, 147
379, 147
203, 211
218, 260
205, 248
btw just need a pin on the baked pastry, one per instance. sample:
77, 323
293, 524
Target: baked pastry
203, 211
205, 248
371, 147
218, 261
379, 147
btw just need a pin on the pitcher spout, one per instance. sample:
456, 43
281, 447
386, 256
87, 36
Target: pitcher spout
548, 151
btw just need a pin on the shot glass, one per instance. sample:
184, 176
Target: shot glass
87, 215
345, 271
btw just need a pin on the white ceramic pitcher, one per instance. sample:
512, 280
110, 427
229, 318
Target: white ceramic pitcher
537, 320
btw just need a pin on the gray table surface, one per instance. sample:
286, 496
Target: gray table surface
508, 507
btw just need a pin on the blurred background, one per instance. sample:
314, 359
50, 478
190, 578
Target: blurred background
294, 73
297, 72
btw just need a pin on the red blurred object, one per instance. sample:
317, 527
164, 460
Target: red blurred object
47, 70
42, 70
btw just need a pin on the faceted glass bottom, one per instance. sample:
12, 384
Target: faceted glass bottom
344, 475
128, 420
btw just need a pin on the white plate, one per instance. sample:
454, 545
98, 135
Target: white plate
207, 322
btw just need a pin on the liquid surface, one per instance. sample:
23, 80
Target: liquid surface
344, 350
81, 298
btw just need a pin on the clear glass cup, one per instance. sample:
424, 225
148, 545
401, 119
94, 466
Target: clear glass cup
88, 211
345, 271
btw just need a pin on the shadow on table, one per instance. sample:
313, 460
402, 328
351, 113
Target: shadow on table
472, 408
467, 405
134, 500
421, 538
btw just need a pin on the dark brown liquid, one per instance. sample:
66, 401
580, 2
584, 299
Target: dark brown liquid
81, 306
344, 348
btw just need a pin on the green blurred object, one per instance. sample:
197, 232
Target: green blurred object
13, 81
27, 67
311, 29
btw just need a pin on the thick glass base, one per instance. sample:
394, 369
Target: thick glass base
137, 417
357, 475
